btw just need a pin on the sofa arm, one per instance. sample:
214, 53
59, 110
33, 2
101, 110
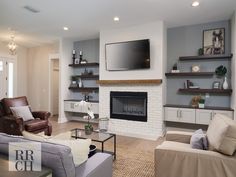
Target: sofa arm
13, 125
187, 162
99, 165
179, 136
44, 115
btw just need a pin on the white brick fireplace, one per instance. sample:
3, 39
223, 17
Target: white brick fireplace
151, 129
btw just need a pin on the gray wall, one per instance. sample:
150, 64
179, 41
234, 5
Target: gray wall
185, 41
90, 49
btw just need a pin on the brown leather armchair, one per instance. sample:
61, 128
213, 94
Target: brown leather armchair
15, 125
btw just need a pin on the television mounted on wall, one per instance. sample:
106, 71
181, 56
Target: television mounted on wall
128, 55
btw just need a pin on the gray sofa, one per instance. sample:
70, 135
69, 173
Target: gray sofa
59, 159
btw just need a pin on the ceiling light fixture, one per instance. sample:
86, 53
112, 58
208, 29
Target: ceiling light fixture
116, 19
195, 4
65, 28
12, 45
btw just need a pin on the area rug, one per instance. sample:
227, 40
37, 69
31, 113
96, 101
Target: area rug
133, 163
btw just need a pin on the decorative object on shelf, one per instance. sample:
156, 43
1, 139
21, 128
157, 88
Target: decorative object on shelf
216, 85
77, 61
195, 100
90, 72
214, 41
80, 83
73, 56
88, 107
83, 61
103, 124
73, 83
189, 85
85, 72
86, 97
201, 103
195, 68
80, 56
225, 83
12, 45
221, 71
175, 69
200, 51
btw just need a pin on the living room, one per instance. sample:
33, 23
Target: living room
146, 79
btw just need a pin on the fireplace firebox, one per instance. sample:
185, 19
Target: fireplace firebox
128, 106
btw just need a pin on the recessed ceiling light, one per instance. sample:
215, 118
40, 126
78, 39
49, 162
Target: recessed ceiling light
116, 19
65, 28
195, 4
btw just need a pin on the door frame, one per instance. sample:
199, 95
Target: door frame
14, 58
54, 56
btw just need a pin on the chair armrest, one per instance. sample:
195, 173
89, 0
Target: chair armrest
44, 115
179, 136
13, 125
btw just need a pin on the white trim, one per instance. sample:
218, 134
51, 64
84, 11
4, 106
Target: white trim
51, 57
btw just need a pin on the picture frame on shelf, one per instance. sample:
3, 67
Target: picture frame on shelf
77, 61
216, 85
214, 41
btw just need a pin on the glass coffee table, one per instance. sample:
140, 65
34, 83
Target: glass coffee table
96, 136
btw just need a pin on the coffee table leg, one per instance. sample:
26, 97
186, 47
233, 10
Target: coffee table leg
102, 147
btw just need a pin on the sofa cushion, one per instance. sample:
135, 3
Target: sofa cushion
35, 137
35, 124
221, 134
199, 140
13, 102
54, 156
23, 112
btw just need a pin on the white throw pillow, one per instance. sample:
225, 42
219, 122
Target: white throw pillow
22, 111
35, 137
79, 148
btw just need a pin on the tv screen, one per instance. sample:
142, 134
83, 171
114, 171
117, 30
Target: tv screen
128, 55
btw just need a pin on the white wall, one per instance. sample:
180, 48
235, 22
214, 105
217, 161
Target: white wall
22, 75
154, 126
152, 31
233, 49
65, 52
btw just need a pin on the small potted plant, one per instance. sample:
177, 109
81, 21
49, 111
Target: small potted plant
221, 71
201, 103
88, 126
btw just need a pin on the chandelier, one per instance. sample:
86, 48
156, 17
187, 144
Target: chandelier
12, 45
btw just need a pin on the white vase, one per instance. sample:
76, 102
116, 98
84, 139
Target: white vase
225, 84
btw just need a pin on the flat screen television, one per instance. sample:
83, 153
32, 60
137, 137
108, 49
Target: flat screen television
128, 55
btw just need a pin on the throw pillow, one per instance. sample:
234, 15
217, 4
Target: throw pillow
35, 137
198, 140
22, 111
79, 148
221, 134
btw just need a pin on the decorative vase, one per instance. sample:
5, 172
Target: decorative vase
225, 84
88, 129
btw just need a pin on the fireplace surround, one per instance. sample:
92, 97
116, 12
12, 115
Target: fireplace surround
128, 106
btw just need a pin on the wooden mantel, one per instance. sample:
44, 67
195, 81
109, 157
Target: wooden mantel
116, 82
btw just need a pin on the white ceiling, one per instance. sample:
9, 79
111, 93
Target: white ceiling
86, 17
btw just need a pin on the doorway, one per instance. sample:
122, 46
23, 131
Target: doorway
7, 77
54, 86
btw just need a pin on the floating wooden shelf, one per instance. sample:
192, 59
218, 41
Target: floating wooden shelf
206, 57
78, 100
213, 91
84, 89
190, 74
148, 81
87, 76
84, 65
206, 107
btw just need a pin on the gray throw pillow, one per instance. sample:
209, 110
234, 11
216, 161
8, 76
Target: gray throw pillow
199, 140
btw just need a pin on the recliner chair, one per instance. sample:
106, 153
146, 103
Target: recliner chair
15, 125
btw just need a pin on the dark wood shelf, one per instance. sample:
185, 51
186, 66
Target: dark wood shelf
78, 100
133, 82
190, 74
87, 76
213, 91
206, 57
206, 107
84, 89
84, 65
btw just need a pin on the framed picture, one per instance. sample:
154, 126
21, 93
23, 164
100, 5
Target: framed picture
214, 41
77, 61
216, 85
